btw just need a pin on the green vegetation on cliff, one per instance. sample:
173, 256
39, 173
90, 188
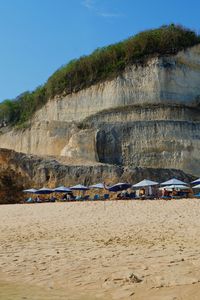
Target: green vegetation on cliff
103, 64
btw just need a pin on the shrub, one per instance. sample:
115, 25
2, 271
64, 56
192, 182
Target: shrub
103, 64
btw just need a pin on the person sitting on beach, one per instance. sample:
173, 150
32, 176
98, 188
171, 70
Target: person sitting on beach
165, 193
125, 194
64, 197
70, 196
52, 199
38, 200
119, 195
174, 192
142, 193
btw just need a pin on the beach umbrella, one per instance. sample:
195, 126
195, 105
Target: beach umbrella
62, 189
197, 181
145, 183
196, 186
119, 187
31, 191
79, 187
97, 186
174, 181
174, 186
44, 191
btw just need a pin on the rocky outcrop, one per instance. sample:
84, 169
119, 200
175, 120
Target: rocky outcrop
42, 138
162, 144
19, 171
148, 117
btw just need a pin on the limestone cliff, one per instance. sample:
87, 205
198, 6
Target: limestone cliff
19, 171
149, 116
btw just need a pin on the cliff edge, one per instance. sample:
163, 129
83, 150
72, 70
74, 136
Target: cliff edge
148, 116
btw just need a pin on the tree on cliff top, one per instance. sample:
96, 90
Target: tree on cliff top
103, 64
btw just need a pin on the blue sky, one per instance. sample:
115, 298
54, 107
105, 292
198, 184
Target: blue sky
38, 36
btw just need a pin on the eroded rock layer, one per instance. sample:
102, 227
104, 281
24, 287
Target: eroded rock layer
19, 171
149, 116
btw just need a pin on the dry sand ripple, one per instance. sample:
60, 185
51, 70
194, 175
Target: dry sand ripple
113, 250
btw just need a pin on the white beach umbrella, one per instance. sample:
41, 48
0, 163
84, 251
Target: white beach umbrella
44, 191
174, 181
145, 183
31, 191
79, 187
197, 181
97, 186
62, 189
174, 186
119, 187
196, 186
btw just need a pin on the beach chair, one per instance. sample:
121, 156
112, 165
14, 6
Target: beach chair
176, 197
106, 196
78, 198
29, 200
132, 195
86, 197
52, 199
166, 197
197, 195
96, 197
150, 197
183, 194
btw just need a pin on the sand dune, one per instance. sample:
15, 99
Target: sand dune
114, 250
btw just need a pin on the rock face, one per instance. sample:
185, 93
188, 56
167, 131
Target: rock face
12, 179
149, 116
19, 171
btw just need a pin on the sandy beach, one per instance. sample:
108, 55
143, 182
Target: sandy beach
100, 250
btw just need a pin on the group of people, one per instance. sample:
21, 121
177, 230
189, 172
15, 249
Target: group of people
152, 194
68, 196
40, 200
126, 195
142, 193
173, 193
